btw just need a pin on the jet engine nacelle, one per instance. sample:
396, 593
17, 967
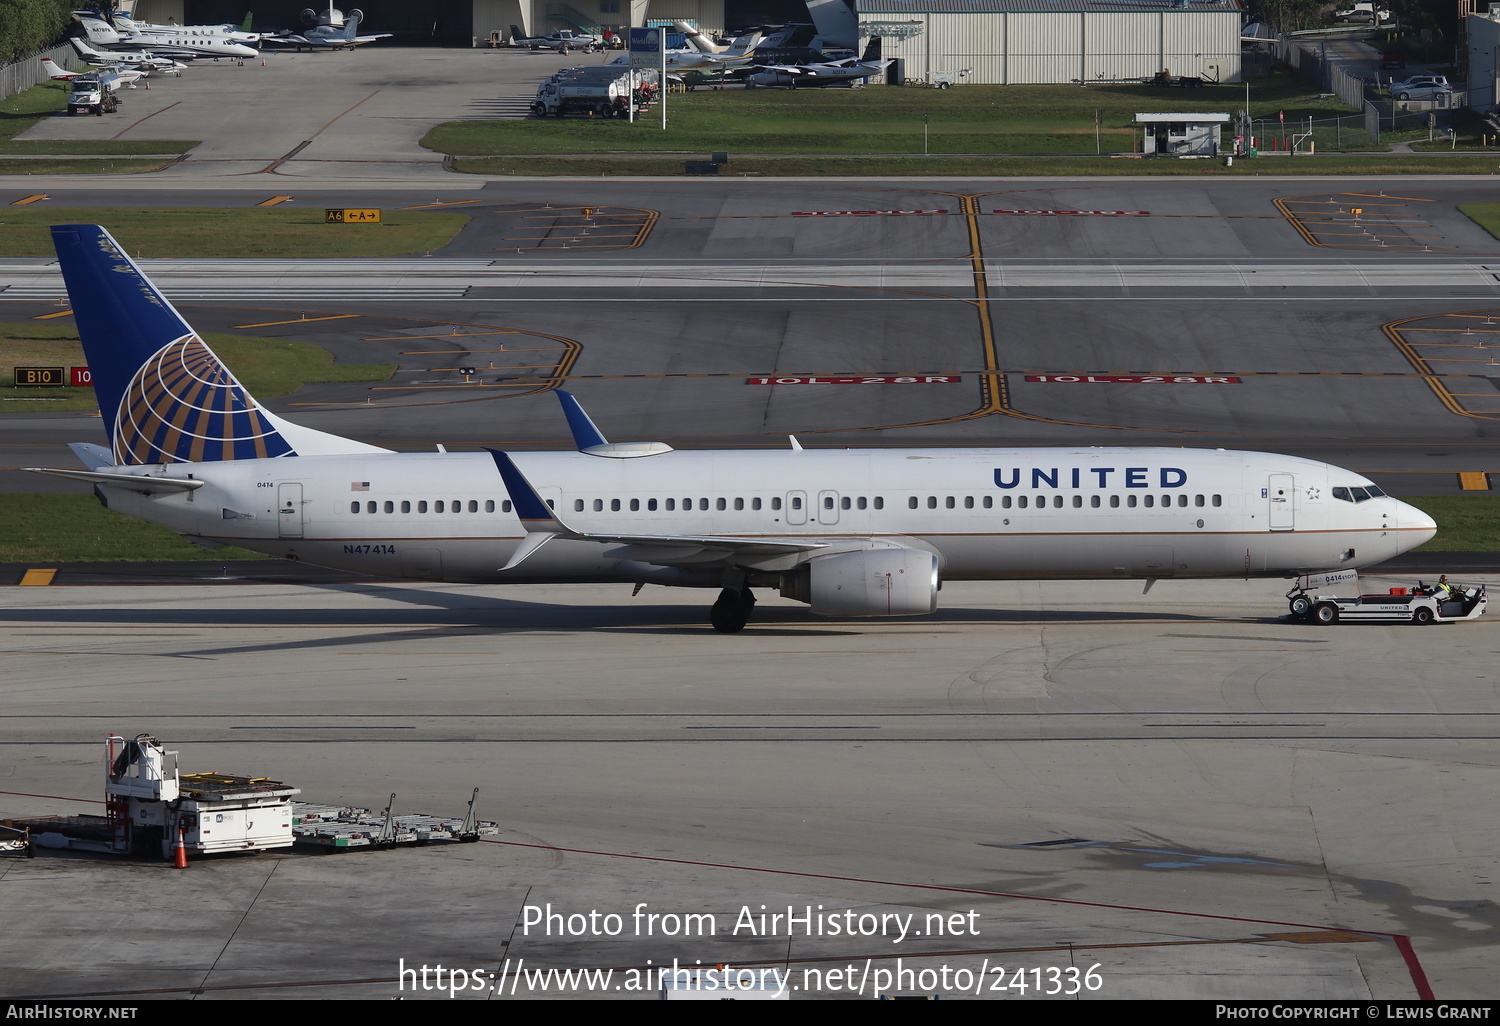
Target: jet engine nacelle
867, 582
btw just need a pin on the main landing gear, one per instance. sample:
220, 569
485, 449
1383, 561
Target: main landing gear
732, 610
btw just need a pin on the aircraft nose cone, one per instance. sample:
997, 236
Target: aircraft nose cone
1418, 526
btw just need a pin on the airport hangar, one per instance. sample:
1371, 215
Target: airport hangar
1035, 42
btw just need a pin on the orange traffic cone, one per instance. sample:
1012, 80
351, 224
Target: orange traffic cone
179, 855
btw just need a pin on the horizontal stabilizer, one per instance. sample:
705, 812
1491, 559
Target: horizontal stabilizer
134, 482
91, 455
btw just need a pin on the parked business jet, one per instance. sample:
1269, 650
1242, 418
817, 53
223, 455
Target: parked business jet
173, 40
138, 59
869, 532
821, 73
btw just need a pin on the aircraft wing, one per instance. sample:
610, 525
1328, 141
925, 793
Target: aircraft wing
543, 524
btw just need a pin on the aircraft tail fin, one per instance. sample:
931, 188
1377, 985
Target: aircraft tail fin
164, 394
96, 28
872, 50
591, 440
249, 21
52, 69
744, 45
697, 40
351, 27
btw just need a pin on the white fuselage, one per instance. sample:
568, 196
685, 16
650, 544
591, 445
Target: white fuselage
988, 514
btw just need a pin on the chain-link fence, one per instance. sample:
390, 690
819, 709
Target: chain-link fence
27, 72
1348, 132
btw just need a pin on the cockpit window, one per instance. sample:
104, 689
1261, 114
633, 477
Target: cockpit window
1357, 494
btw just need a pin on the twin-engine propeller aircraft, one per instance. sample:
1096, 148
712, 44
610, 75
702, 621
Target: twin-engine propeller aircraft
869, 532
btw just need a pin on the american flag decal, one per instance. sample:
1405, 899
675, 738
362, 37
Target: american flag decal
359, 486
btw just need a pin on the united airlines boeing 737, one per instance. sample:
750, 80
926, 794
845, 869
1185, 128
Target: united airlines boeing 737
869, 532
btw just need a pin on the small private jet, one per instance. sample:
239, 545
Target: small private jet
324, 37
114, 77
562, 41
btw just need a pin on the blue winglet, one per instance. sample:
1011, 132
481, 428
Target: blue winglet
532, 510
585, 434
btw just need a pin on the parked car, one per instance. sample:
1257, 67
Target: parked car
1363, 13
1392, 60
1421, 87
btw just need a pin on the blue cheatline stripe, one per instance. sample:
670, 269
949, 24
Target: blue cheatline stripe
529, 505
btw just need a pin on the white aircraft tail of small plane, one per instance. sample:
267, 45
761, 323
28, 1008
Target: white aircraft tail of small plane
851, 532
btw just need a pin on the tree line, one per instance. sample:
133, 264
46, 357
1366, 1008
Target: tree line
28, 26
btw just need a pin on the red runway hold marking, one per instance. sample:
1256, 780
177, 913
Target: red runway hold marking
1076, 213
861, 379
860, 213
1131, 379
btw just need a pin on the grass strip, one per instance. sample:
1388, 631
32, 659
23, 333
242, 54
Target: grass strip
265, 232
989, 119
1486, 215
266, 366
66, 528
979, 166
1466, 523
84, 166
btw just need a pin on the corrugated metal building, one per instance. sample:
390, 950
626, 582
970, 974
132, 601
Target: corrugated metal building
1015, 42
1484, 59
